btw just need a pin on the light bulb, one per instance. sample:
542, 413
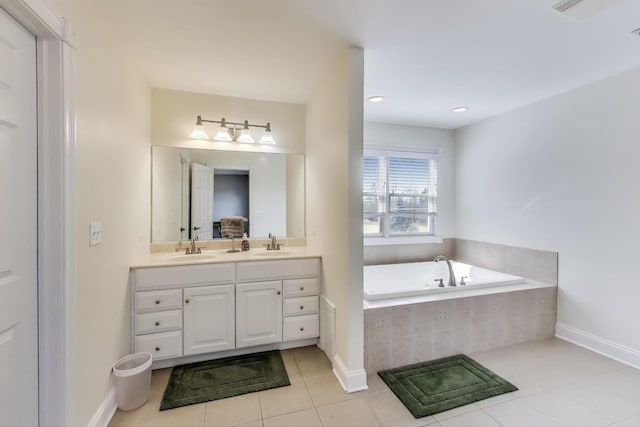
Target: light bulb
199, 133
223, 134
245, 137
267, 138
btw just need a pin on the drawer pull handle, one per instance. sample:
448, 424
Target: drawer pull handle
302, 307
301, 328
157, 323
157, 301
157, 348
187, 301
302, 288
278, 292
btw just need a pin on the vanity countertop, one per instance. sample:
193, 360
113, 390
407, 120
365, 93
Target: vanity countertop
163, 259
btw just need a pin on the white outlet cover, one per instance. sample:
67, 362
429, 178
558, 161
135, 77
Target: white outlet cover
95, 233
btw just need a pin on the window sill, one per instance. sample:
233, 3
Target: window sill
401, 240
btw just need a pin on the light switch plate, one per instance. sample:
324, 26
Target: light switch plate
95, 233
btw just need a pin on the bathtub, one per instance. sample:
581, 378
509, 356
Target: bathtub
420, 278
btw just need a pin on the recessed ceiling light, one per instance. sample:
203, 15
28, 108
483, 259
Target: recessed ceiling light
460, 109
376, 99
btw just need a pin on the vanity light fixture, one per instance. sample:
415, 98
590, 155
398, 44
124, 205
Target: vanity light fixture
238, 133
460, 109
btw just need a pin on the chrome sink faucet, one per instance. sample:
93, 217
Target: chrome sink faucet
193, 249
274, 245
452, 277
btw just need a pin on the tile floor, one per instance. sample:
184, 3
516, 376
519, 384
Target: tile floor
559, 385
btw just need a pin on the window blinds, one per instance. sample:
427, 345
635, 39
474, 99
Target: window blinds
399, 193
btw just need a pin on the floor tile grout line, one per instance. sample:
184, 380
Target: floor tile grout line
489, 415
537, 410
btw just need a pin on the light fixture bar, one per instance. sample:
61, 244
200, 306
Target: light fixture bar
238, 134
245, 123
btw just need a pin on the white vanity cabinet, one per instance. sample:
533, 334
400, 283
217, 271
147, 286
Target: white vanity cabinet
193, 310
258, 313
299, 305
183, 310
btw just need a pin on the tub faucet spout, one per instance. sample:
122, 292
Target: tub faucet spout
452, 277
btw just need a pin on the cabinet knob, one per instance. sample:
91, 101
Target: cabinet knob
187, 301
278, 292
157, 348
302, 288
157, 323
302, 307
157, 301
301, 328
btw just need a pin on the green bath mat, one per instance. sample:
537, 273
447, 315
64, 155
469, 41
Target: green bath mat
439, 385
218, 379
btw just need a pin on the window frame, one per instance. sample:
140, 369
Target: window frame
386, 238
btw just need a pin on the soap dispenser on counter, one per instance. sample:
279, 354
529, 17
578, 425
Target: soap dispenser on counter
245, 242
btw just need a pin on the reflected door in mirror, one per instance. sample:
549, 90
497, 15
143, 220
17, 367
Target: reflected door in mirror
202, 201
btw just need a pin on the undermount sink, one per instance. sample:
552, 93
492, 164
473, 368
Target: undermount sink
275, 253
187, 258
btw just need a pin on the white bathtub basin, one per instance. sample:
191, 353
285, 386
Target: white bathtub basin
421, 278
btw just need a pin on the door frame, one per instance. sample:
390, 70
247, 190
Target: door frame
56, 47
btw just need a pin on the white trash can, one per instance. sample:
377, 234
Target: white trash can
133, 380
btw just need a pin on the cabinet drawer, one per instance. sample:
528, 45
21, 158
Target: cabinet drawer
161, 346
158, 300
174, 277
301, 327
301, 287
299, 306
253, 271
160, 321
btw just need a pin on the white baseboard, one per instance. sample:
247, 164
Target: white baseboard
351, 381
106, 410
607, 348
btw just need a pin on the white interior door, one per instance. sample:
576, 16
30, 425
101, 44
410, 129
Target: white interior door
18, 226
202, 201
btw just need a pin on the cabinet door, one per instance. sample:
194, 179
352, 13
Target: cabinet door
209, 316
258, 313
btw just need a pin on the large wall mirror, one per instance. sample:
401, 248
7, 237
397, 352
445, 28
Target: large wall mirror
197, 188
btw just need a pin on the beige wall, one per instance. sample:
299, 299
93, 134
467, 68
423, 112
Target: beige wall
173, 116
562, 175
113, 161
334, 202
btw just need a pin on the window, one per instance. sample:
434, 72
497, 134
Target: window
399, 193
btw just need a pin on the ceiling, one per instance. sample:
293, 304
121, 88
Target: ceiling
424, 56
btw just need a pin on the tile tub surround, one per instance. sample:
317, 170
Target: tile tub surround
404, 334
530, 263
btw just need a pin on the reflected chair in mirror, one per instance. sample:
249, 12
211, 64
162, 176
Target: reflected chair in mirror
232, 226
